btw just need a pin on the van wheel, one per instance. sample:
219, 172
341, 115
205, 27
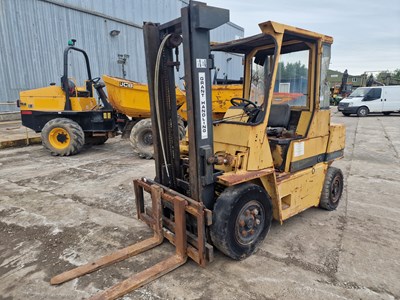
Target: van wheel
387, 113
242, 217
362, 111
63, 137
346, 114
332, 189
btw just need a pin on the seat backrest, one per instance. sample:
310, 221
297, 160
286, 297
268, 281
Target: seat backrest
279, 116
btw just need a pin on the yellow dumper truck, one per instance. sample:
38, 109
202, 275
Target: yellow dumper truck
70, 116
131, 99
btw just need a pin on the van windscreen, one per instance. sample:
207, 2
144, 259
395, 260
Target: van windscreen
360, 92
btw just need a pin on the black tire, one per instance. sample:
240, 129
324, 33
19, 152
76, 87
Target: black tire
141, 139
96, 140
234, 217
63, 137
362, 111
387, 113
345, 114
332, 189
181, 128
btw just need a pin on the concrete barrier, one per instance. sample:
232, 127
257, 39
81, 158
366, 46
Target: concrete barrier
13, 134
10, 116
20, 142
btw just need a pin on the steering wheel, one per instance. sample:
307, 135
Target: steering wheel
95, 80
240, 101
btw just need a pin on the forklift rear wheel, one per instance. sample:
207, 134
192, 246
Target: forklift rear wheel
362, 111
141, 139
242, 217
332, 189
63, 137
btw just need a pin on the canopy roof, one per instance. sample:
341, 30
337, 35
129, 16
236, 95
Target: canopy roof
247, 44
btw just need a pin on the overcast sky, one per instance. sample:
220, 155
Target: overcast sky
366, 33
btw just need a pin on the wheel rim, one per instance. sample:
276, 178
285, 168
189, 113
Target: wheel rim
363, 112
147, 138
336, 189
59, 138
249, 223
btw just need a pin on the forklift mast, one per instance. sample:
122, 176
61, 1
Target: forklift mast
195, 23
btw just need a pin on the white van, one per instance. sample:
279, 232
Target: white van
375, 99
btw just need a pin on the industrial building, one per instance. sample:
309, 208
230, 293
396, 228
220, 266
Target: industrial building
34, 34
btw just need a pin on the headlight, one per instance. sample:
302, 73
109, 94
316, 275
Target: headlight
350, 103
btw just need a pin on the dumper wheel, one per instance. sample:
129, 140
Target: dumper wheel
141, 139
242, 217
181, 128
332, 189
63, 137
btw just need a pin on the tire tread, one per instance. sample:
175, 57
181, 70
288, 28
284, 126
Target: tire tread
324, 201
222, 212
75, 131
143, 151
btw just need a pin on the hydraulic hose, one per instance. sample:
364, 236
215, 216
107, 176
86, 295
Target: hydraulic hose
156, 84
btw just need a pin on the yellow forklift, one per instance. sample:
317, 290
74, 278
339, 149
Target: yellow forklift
265, 159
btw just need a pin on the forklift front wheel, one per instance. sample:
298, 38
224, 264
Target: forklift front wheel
63, 137
332, 189
242, 218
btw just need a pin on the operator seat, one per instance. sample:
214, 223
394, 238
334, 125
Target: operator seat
71, 88
279, 118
